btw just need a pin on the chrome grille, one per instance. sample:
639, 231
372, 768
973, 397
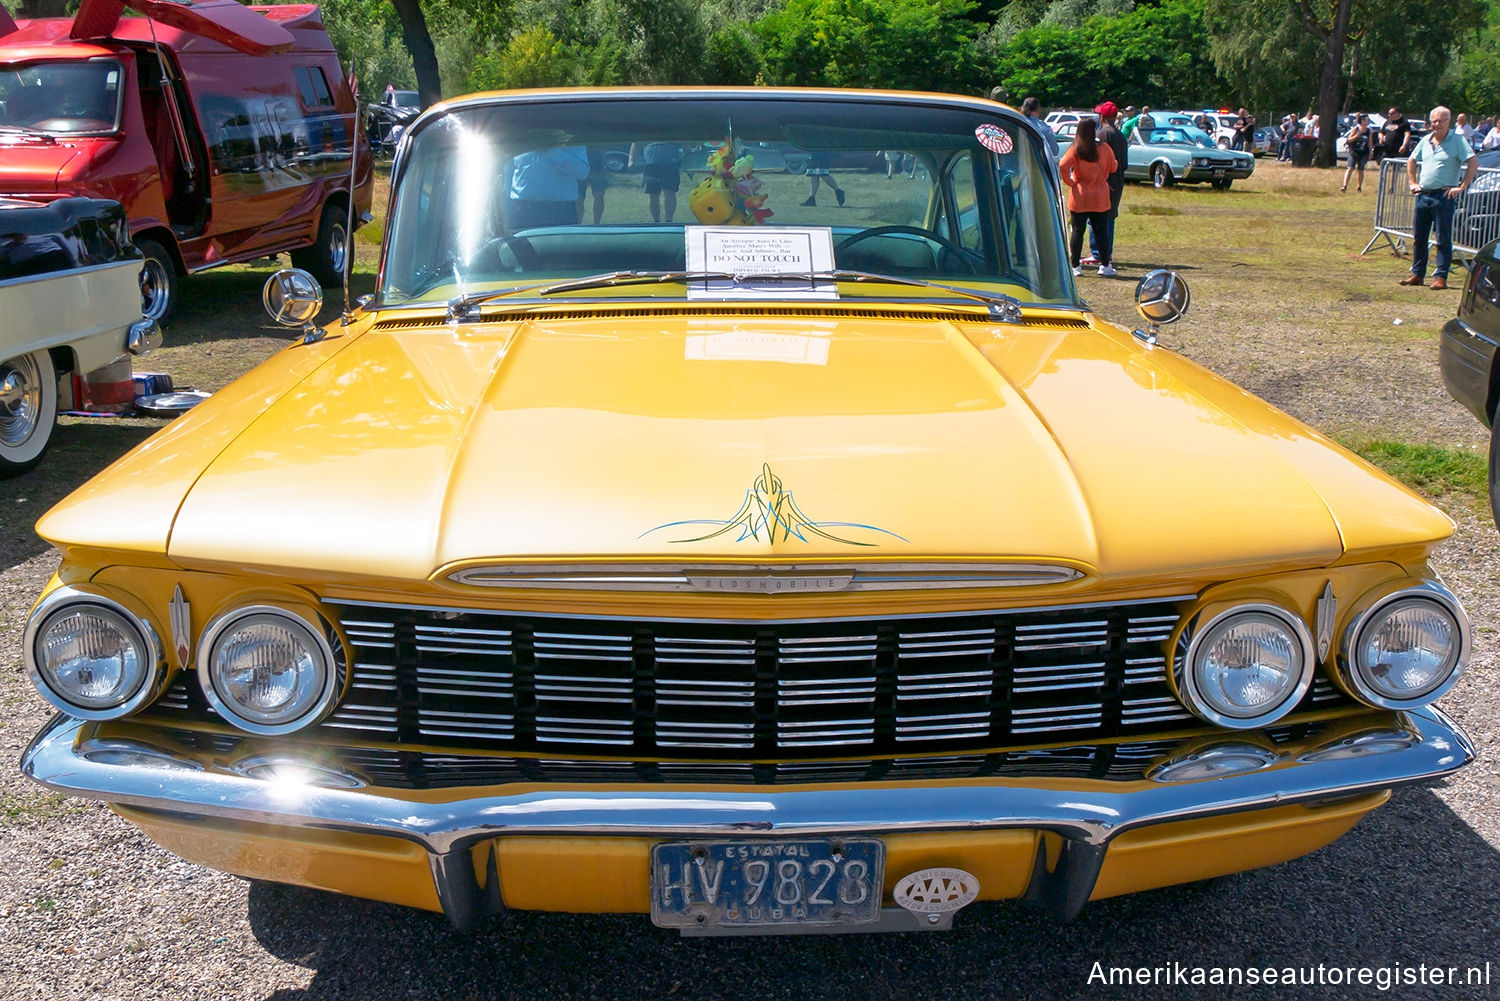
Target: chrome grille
796, 691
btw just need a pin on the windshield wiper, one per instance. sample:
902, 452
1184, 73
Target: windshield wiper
1002, 307
34, 133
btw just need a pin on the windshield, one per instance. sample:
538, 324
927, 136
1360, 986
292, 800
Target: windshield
496, 194
1184, 135
61, 97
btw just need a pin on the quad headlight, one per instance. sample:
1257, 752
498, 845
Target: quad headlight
268, 670
1406, 647
90, 656
1246, 666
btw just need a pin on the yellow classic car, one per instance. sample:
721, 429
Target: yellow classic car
765, 553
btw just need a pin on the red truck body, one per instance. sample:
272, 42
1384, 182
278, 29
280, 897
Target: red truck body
218, 152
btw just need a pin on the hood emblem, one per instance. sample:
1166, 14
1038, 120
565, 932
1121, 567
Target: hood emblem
769, 513
180, 613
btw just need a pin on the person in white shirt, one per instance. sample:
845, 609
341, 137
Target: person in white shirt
1463, 128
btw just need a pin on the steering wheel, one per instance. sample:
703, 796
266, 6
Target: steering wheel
926, 234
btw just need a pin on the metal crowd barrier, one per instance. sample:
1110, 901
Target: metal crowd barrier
1476, 216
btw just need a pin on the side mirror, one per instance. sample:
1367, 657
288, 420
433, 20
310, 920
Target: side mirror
1161, 296
294, 298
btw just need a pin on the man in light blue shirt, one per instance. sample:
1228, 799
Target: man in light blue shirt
542, 187
1438, 171
1032, 109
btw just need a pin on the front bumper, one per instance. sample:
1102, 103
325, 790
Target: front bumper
147, 771
1466, 356
1192, 174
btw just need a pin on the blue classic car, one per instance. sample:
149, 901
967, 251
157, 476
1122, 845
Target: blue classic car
1183, 153
1174, 153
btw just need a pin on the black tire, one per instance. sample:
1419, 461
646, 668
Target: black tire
1224, 184
158, 281
28, 410
796, 165
324, 260
1495, 468
1161, 176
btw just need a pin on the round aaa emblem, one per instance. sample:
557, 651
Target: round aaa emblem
936, 891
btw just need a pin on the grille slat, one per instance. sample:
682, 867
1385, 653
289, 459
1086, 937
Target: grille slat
503, 682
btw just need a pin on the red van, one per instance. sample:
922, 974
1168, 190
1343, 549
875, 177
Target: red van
225, 131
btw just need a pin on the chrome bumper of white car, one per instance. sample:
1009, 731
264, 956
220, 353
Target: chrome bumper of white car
146, 771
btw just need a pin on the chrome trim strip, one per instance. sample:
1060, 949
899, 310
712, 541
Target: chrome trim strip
56, 759
780, 620
763, 578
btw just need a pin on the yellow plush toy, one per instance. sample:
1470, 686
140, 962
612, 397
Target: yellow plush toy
730, 194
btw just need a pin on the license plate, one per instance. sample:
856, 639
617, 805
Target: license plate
803, 881
1218, 173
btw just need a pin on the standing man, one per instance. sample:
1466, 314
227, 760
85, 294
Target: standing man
1244, 131
1433, 170
1396, 131
1115, 140
1288, 132
1143, 121
1032, 109
1463, 128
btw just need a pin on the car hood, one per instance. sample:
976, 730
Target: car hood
402, 452
32, 164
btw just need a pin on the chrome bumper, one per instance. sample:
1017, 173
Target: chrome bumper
69, 757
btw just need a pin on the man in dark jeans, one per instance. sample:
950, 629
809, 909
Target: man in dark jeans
1115, 140
1244, 131
1433, 171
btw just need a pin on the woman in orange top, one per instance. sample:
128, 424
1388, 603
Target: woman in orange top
1085, 169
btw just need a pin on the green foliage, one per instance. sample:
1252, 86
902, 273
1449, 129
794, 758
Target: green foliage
1149, 55
534, 58
1397, 52
901, 44
732, 57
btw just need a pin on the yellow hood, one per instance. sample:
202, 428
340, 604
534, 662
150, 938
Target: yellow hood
821, 437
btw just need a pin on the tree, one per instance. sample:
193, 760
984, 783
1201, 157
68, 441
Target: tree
1382, 51
901, 44
423, 54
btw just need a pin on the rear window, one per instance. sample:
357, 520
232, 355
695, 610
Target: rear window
313, 86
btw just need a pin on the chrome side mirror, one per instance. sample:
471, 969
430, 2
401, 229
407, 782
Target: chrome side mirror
1161, 296
294, 298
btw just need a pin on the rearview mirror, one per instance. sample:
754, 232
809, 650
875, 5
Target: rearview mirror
1162, 297
292, 297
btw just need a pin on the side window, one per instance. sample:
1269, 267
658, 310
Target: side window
960, 179
312, 86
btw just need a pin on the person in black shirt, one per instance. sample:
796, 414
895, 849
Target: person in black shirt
1112, 137
1395, 134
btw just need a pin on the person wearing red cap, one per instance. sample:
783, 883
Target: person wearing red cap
1109, 135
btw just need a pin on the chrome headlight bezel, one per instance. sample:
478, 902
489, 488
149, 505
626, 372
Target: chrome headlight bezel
1367, 611
64, 599
1190, 646
330, 689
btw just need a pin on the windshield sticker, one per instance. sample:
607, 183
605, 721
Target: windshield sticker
994, 138
760, 263
769, 513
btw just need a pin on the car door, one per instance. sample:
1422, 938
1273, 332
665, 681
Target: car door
1469, 341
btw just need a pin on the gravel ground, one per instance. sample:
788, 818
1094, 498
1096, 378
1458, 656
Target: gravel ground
90, 909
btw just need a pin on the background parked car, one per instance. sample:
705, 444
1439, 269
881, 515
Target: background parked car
1183, 153
1467, 353
70, 294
